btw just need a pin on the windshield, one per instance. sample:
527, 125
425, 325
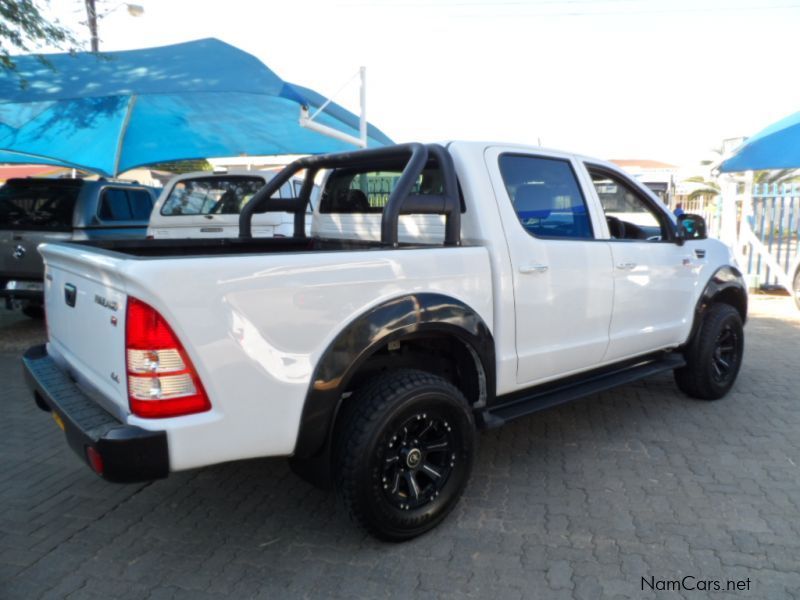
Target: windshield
211, 195
44, 205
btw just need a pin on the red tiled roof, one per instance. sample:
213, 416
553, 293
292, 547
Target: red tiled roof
11, 171
643, 163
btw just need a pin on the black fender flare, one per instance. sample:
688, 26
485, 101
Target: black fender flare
727, 282
405, 316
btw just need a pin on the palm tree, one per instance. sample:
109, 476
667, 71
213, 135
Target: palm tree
709, 188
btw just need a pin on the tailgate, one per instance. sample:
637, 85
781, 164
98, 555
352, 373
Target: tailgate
85, 306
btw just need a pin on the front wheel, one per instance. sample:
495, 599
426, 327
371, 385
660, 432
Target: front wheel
714, 356
404, 453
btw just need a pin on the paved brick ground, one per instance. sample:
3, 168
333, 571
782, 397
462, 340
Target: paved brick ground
578, 502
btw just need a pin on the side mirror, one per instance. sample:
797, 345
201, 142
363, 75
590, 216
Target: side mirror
691, 227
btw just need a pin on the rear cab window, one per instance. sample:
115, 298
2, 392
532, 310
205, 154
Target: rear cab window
546, 196
211, 195
358, 191
38, 205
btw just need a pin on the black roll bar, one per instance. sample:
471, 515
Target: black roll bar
401, 201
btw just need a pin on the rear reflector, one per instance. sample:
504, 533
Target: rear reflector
95, 460
162, 381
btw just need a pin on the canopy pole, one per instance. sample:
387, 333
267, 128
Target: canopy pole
361, 141
122, 131
362, 123
306, 122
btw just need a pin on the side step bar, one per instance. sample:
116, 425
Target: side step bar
547, 396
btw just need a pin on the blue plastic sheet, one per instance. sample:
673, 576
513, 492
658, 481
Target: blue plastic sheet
776, 147
118, 110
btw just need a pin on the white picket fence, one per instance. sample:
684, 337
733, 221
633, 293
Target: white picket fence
767, 230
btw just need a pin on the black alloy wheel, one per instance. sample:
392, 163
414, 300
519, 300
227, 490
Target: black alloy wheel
403, 452
714, 355
417, 461
725, 359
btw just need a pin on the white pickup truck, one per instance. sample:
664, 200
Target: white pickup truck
444, 289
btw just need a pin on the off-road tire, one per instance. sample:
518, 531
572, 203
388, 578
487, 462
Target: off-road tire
368, 453
718, 342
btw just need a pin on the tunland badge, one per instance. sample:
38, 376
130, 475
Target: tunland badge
111, 304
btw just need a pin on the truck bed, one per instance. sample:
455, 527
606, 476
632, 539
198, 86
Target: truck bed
254, 317
231, 246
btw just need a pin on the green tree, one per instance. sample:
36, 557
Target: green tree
776, 176
23, 27
183, 166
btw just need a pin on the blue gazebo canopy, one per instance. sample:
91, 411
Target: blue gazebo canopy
113, 111
776, 147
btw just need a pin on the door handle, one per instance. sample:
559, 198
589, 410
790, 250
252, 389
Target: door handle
532, 269
628, 266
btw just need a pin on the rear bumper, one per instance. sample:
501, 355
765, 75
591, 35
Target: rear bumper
30, 296
128, 453
14, 293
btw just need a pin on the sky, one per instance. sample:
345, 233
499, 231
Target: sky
649, 79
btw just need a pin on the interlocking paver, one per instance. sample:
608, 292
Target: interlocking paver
577, 502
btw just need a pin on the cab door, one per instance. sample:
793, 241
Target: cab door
654, 277
562, 275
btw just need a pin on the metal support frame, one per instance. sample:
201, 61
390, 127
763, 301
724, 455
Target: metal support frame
415, 158
308, 121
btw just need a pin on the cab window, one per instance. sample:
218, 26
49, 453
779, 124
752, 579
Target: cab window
630, 216
546, 196
352, 191
114, 206
356, 190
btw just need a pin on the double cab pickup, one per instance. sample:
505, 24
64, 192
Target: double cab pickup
444, 289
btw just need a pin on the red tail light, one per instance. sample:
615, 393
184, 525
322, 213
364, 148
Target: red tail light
162, 381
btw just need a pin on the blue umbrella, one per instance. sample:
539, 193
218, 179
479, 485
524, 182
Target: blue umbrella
776, 147
114, 111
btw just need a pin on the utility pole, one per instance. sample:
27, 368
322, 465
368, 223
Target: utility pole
134, 10
91, 21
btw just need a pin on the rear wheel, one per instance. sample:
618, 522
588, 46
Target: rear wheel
714, 356
796, 288
404, 453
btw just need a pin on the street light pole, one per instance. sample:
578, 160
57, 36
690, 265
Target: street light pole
91, 20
